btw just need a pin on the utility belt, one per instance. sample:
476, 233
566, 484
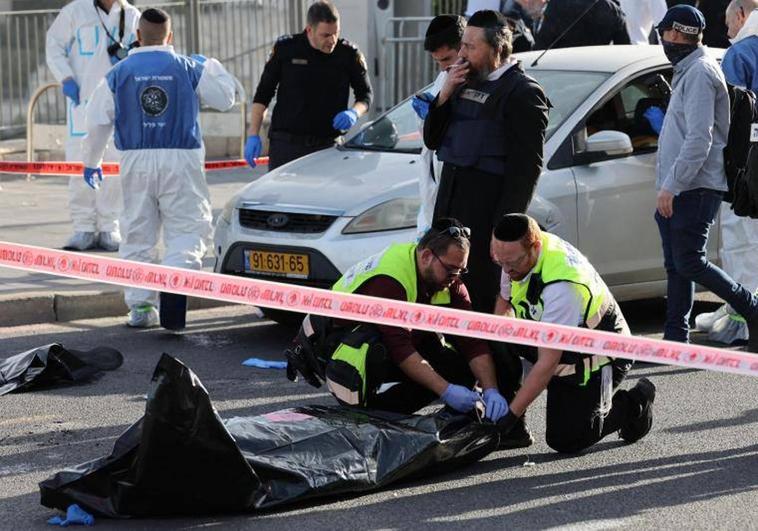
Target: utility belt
351, 360
302, 140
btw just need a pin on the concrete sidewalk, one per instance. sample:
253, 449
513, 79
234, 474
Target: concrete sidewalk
36, 213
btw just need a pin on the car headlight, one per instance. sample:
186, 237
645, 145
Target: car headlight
228, 210
396, 214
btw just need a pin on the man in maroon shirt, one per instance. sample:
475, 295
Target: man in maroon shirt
399, 369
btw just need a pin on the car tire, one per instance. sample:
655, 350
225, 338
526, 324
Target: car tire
284, 318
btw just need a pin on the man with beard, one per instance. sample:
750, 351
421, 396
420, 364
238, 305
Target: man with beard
488, 127
394, 368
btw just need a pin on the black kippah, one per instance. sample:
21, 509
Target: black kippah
486, 18
511, 227
154, 15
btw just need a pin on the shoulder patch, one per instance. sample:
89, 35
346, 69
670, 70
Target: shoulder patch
349, 44
284, 38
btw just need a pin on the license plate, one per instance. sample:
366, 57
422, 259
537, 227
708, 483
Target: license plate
289, 265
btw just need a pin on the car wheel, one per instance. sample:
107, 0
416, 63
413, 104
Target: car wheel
284, 318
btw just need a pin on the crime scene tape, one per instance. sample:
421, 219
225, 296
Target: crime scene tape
370, 309
109, 168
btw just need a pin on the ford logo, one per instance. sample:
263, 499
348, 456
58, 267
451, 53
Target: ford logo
277, 221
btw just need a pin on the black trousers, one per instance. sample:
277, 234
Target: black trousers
572, 420
478, 200
407, 396
282, 151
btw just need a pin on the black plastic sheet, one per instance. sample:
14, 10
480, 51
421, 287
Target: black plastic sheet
54, 364
181, 458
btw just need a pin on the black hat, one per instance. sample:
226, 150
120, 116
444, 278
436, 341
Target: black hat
684, 19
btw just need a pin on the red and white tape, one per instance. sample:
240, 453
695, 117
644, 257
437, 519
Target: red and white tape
370, 309
109, 168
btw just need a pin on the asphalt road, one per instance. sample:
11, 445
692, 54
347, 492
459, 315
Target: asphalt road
697, 469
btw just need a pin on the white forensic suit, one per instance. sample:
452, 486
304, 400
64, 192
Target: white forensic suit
641, 17
151, 101
429, 172
77, 47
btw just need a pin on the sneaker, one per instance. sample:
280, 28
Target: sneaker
143, 316
640, 425
109, 241
705, 321
518, 437
81, 241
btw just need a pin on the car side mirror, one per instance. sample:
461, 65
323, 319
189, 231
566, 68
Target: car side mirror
609, 143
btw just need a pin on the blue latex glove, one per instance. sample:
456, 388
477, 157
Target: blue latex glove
654, 116
199, 58
421, 106
93, 177
460, 398
345, 120
75, 515
253, 149
71, 90
496, 405
264, 364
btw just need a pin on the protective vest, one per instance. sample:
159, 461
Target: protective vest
561, 262
155, 102
476, 137
349, 372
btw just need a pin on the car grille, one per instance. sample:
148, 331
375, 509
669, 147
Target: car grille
285, 221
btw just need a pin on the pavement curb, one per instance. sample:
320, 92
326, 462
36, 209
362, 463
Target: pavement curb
47, 307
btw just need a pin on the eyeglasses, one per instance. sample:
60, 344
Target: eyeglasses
512, 264
452, 271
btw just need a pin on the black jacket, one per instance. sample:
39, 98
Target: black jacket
605, 23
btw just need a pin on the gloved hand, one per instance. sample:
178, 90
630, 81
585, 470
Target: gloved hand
71, 90
253, 148
497, 406
654, 116
74, 515
421, 106
345, 120
90, 174
199, 58
460, 398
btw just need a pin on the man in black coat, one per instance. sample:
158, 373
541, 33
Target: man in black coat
488, 127
603, 23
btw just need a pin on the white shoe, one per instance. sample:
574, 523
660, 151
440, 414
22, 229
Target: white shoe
108, 241
81, 241
705, 321
143, 316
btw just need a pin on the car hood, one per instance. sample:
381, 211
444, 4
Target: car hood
335, 181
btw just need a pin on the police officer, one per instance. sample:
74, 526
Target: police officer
546, 279
598, 22
398, 369
310, 73
488, 126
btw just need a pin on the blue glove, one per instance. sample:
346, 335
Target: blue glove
74, 515
497, 406
89, 177
460, 398
654, 116
345, 120
421, 106
253, 148
264, 364
71, 90
199, 58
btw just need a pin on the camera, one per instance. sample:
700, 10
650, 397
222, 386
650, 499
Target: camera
118, 51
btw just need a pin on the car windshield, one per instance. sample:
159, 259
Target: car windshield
398, 130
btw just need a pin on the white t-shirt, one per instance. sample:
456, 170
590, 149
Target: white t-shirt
562, 302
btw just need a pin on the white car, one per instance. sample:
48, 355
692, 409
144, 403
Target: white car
308, 221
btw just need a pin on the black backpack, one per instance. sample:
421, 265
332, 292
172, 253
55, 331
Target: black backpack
743, 114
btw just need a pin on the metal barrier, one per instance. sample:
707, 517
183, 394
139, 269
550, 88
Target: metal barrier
237, 32
405, 66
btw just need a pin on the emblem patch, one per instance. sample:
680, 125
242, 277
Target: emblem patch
474, 95
154, 100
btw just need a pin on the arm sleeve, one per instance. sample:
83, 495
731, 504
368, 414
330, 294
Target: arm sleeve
216, 87
470, 347
359, 80
436, 123
505, 286
99, 124
58, 41
736, 69
563, 304
699, 110
272, 74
